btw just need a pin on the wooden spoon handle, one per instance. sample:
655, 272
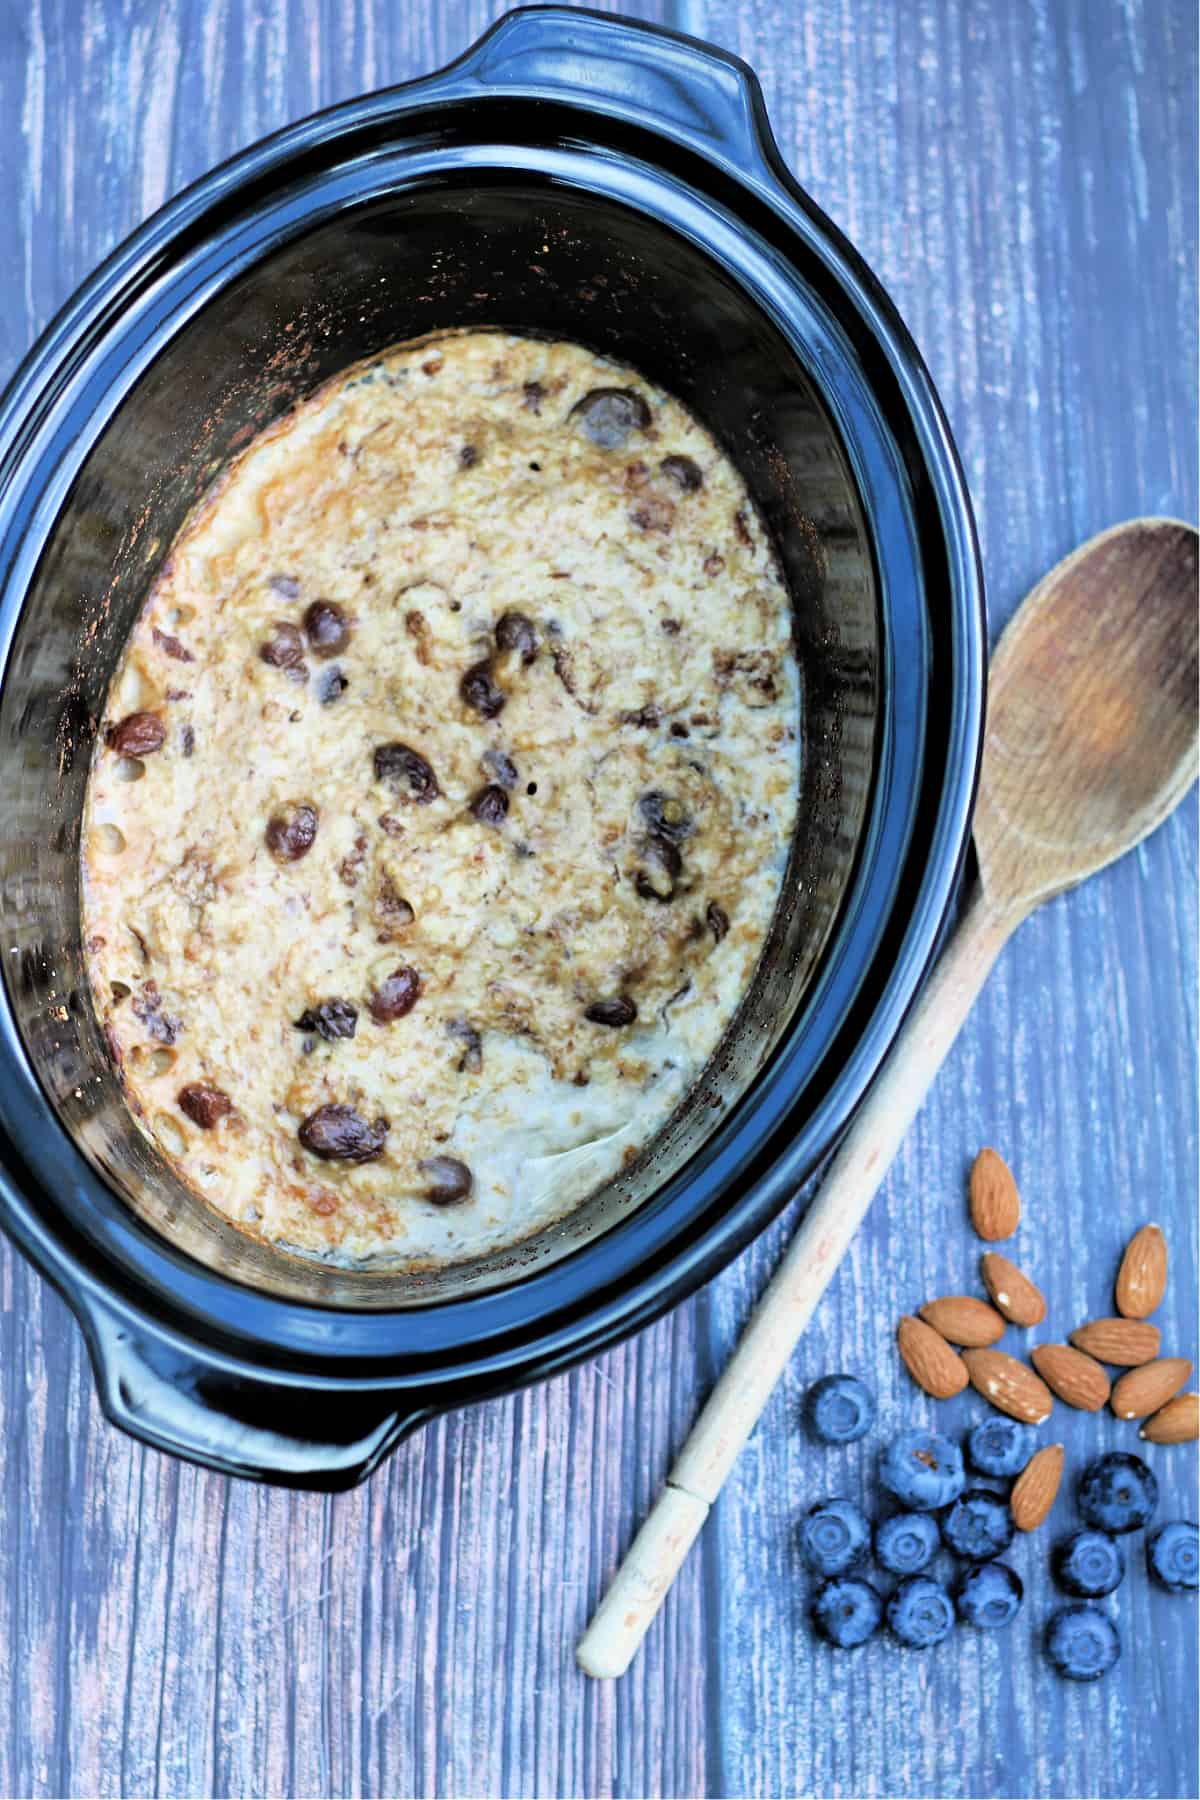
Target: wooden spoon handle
733, 1408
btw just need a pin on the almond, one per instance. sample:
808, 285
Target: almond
1177, 1423
1036, 1487
1011, 1386
964, 1320
929, 1359
1142, 1277
1146, 1390
1125, 1342
1075, 1378
1012, 1293
994, 1201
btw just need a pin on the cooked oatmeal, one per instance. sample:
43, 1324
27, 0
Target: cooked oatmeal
442, 800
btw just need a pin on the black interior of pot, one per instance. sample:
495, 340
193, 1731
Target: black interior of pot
513, 253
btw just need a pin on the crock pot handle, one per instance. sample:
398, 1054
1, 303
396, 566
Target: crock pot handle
690, 89
235, 1422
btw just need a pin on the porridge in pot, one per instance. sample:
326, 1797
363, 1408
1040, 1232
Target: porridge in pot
442, 800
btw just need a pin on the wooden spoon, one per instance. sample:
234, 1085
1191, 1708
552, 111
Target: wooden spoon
1091, 742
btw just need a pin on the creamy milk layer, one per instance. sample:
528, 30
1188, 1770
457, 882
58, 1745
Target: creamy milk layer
442, 800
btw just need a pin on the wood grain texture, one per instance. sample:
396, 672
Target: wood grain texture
1023, 177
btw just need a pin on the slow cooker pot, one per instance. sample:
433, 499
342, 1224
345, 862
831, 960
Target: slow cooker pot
571, 175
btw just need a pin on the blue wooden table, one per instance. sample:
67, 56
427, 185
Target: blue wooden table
1022, 174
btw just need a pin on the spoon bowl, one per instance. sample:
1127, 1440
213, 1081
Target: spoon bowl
1092, 716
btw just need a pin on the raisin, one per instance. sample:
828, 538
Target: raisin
533, 393
515, 631
390, 907
286, 586
618, 1011
490, 805
683, 472
330, 1019
147, 1006
290, 835
187, 740
471, 1060
664, 815
400, 767
339, 1134
480, 691
653, 514
502, 767
714, 565
333, 685
670, 626
608, 415
718, 920
139, 734
662, 867
395, 996
468, 456
325, 623
171, 646
646, 717
449, 1180
284, 649
203, 1104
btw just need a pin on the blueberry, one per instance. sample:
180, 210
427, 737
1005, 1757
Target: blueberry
1088, 1564
920, 1612
989, 1594
978, 1525
847, 1611
839, 1409
1117, 1492
834, 1537
1082, 1642
1171, 1556
923, 1470
905, 1542
1000, 1446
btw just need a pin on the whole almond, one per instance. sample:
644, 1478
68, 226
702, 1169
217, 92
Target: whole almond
1012, 1293
1146, 1390
994, 1202
1076, 1378
962, 1319
929, 1359
1036, 1487
1124, 1342
1142, 1277
1011, 1386
1177, 1423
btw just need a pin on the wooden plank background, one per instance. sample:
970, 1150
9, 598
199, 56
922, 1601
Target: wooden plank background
1022, 174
